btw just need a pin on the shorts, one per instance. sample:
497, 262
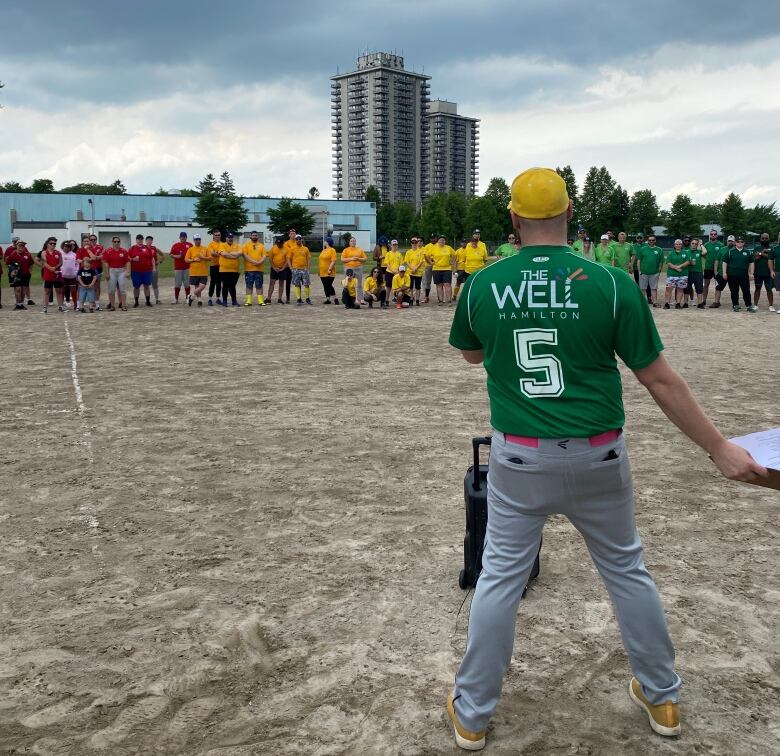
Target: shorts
388, 279
117, 279
86, 295
720, 282
52, 284
141, 279
416, 282
181, 278
279, 275
442, 277
677, 282
648, 280
461, 277
253, 279
300, 277
763, 279
199, 280
709, 274
696, 281
777, 281
21, 280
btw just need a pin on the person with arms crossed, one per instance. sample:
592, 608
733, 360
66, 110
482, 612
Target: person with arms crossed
181, 268
280, 269
229, 264
696, 273
717, 270
415, 262
327, 268
51, 264
761, 273
557, 412
738, 268
198, 259
577, 244
254, 265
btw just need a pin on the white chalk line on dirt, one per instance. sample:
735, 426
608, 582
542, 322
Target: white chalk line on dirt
92, 521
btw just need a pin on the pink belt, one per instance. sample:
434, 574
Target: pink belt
601, 439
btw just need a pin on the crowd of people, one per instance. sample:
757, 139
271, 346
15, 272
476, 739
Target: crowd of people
74, 274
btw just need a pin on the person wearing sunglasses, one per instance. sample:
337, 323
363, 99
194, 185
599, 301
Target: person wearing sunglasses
51, 264
117, 261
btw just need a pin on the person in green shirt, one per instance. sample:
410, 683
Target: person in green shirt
603, 252
710, 253
509, 248
648, 261
677, 264
639, 242
579, 241
548, 326
696, 274
737, 271
622, 252
761, 272
717, 270
774, 266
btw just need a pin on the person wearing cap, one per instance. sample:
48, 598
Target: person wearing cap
415, 262
603, 251
512, 246
181, 268
577, 244
460, 269
717, 270
392, 261
712, 247
254, 256
549, 343
353, 258
280, 269
229, 263
215, 246
349, 291
677, 264
374, 288
141, 267
381, 248
762, 275
20, 263
738, 267
327, 268
648, 261
402, 288
428, 270
157, 261
774, 267
476, 236
443, 258
476, 257
300, 260
198, 259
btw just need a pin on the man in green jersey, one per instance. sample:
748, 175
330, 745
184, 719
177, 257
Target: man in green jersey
712, 247
509, 248
738, 266
578, 244
547, 325
677, 264
774, 266
603, 252
622, 252
717, 270
649, 260
761, 273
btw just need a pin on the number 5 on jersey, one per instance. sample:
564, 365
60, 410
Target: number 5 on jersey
550, 383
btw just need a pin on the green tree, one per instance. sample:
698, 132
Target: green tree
290, 214
732, 215
710, 213
598, 203
189, 193
434, 218
405, 217
42, 186
642, 212
567, 174
617, 210
11, 186
456, 207
482, 214
385, 220
498, 193
117, 187
763, 218
683, 217
373, 195
218, 206
161, 193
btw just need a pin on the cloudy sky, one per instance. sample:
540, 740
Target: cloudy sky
676, 96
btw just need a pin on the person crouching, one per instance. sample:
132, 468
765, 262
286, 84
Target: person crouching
349, 292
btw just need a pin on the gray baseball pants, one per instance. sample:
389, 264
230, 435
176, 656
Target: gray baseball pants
525, 485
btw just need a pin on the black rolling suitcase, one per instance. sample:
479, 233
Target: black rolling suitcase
475, 496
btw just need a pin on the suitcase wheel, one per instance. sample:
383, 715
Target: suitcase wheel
463, 580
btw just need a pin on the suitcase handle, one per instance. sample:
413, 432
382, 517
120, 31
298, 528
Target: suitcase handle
475, 444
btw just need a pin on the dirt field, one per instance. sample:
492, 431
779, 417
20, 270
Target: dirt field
239, 532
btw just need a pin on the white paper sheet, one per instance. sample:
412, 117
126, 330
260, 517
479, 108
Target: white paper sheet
764, 446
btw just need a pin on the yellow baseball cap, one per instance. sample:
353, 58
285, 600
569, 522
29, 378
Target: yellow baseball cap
538, 193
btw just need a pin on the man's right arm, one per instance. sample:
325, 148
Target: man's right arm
672, 394
473, 356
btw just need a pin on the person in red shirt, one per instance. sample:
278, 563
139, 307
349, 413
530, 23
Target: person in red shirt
158, 258
20, 263
117, 261
97, 266
26, 293
51, 264
181, 268
142, 259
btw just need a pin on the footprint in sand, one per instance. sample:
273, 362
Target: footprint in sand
142, 711
188, 720
50, 714
196, 677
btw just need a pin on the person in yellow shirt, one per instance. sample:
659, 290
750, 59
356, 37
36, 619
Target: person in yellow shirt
380, 250
353, 258
300, 259
443, 258
280, 269
477, 237
374, 289
428, 270
215, 281
476, 257
460, 268
254, 265
350, 291
199, 259
415, 263
288, 247
327, 266
393, 259
402, 288
229, 261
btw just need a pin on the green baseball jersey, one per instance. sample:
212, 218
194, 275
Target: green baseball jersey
637, 246
738, 261
678, 258
506, 250
697, 261
550, 324
603, 255
577, 246
774, 256
621, 255
713, 253
761, 258
650, 260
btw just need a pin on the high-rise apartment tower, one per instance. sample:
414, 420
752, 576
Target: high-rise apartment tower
454, 150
